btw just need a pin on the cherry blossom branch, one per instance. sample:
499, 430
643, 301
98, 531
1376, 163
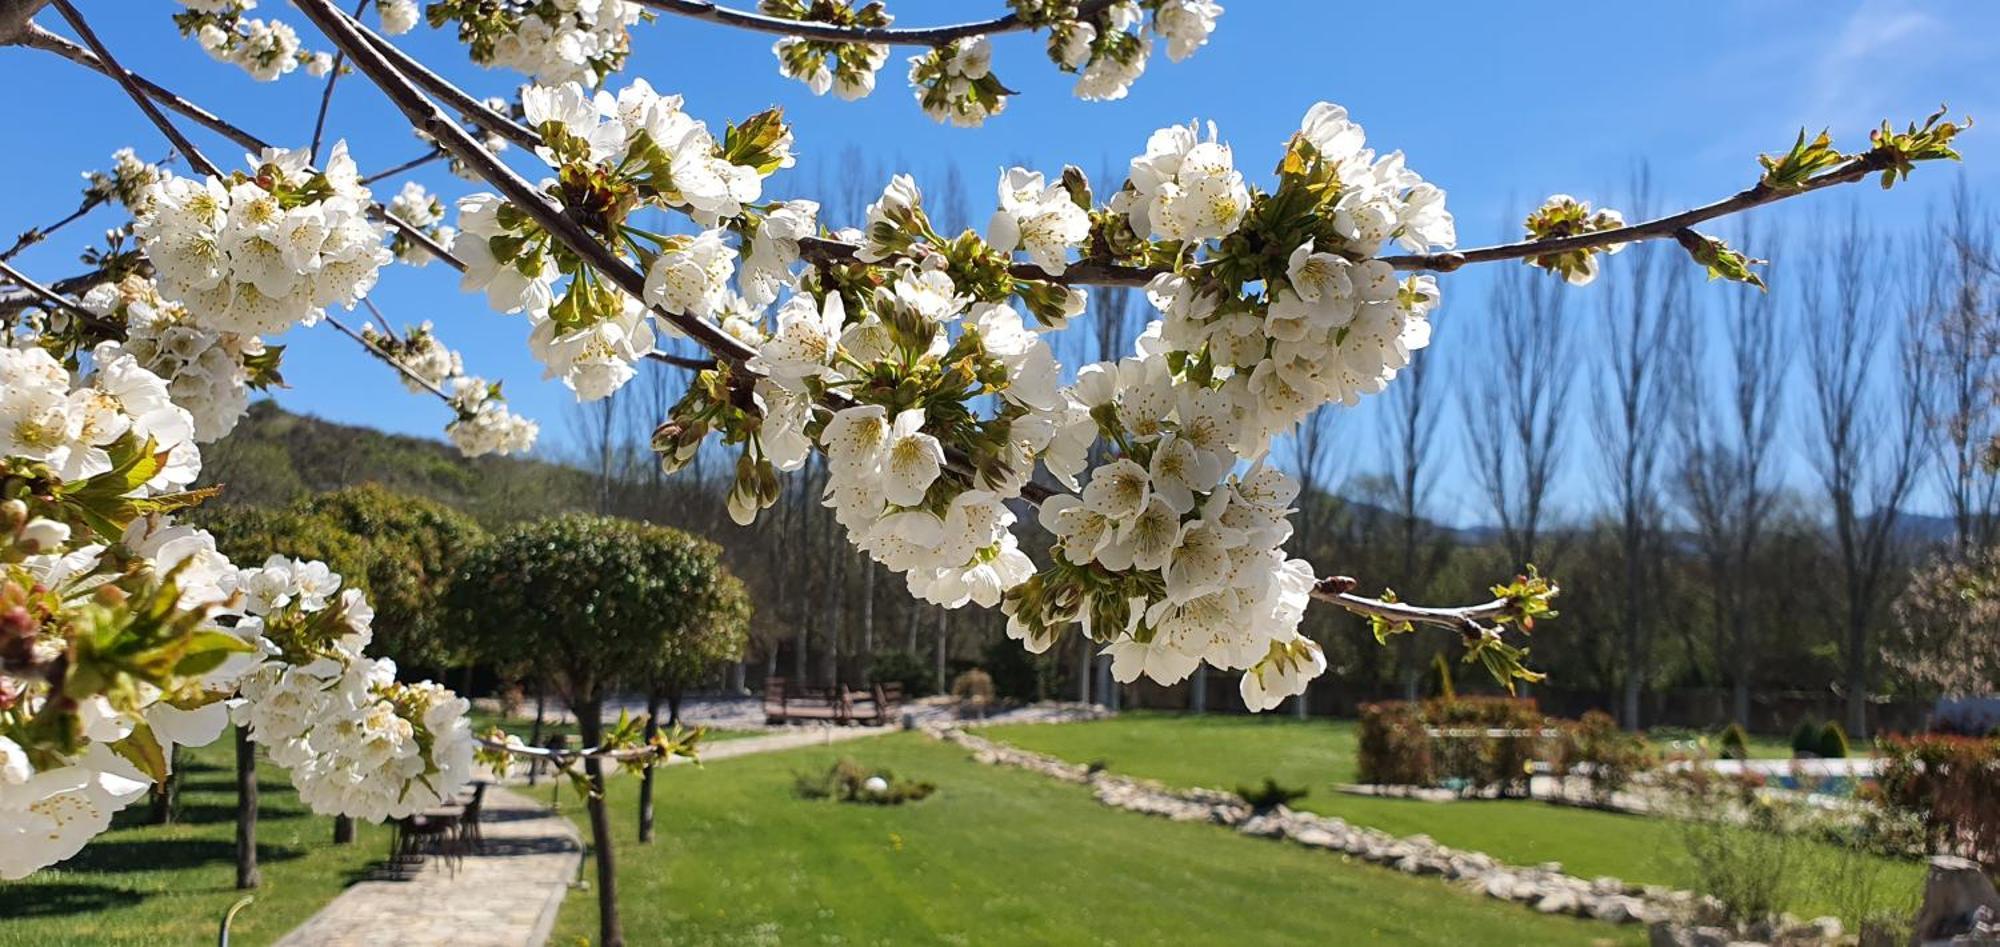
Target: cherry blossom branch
1339, 590
828, 32
139, 96
424, 114
682, 361
37, 38
1757, 195
564, 757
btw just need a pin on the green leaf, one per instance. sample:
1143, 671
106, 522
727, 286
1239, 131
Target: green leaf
206, 650
1721, 261
144, 751
1801, 163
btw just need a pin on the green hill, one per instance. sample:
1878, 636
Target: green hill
274, 457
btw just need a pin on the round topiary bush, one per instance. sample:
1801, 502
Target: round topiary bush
1832, 742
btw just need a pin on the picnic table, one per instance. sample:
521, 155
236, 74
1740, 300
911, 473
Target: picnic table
785, 702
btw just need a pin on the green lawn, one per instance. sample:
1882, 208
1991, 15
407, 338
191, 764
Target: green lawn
1223, 752
997, 856
160, 885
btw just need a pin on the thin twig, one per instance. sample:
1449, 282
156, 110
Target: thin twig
410, 165
393, 361
387, 329
683, 361
54, 299
326, 96
885, 35
139, 96
35, 235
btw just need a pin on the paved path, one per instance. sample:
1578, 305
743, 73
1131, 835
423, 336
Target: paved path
505, 896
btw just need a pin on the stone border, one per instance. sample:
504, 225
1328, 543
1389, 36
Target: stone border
1545, 887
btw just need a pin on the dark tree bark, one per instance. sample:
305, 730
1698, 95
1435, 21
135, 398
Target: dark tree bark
646, 778
247, 875
167, 793
590, 722
343, 830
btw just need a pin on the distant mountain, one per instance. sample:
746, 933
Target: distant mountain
275, 456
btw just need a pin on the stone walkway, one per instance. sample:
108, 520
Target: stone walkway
504, 896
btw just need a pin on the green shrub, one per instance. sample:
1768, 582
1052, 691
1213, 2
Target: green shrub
1449, 740
901, 667
1832, 742
1949, 782
1614, 756
1271, 795
1805, 738
1733, 744
847, 781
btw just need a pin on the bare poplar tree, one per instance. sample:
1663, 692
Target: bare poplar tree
1867, 437
1956, 321
1316, 464
1727, 436
1412, 433
1644, 322
1515, 411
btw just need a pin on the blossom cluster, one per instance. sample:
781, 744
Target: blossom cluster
484, 424
615, 153
257, 253
555, 41
125, 183
1109, 50
209, 373
848, 69
421, 209
266, 49
955, 83
157, 640
356, 742
425, 361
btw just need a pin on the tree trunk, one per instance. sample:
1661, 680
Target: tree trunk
535, 734
590, 722
167, 794
646, 778
1083, 665
1857, 672
247, 875
1198, 697
343, 830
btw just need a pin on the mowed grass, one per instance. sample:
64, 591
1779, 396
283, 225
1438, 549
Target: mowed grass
996, 856
1224, 752
159, 885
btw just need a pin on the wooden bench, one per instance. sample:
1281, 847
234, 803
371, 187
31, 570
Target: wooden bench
784, 703
876, 706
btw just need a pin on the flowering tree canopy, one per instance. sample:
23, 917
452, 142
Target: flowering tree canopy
916, 361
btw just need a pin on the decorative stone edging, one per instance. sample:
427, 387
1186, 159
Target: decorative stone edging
1545, 887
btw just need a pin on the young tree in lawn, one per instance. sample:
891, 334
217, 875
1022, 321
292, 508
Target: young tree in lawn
586, 595
713, 629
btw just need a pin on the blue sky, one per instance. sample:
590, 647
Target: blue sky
1500, 104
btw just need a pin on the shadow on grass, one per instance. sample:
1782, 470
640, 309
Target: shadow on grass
105, 856
64, 899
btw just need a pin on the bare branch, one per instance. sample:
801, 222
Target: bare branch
35, 235
827, 32
392, 360
326, 96
139, 96
16, 18
410, 165
53, 298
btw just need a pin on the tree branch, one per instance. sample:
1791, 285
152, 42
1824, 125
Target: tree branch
410, 165
16, 17
35, 235
1659, 228
326, 96
344, 33
139, 96
827, 32
56, 300
393, 361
